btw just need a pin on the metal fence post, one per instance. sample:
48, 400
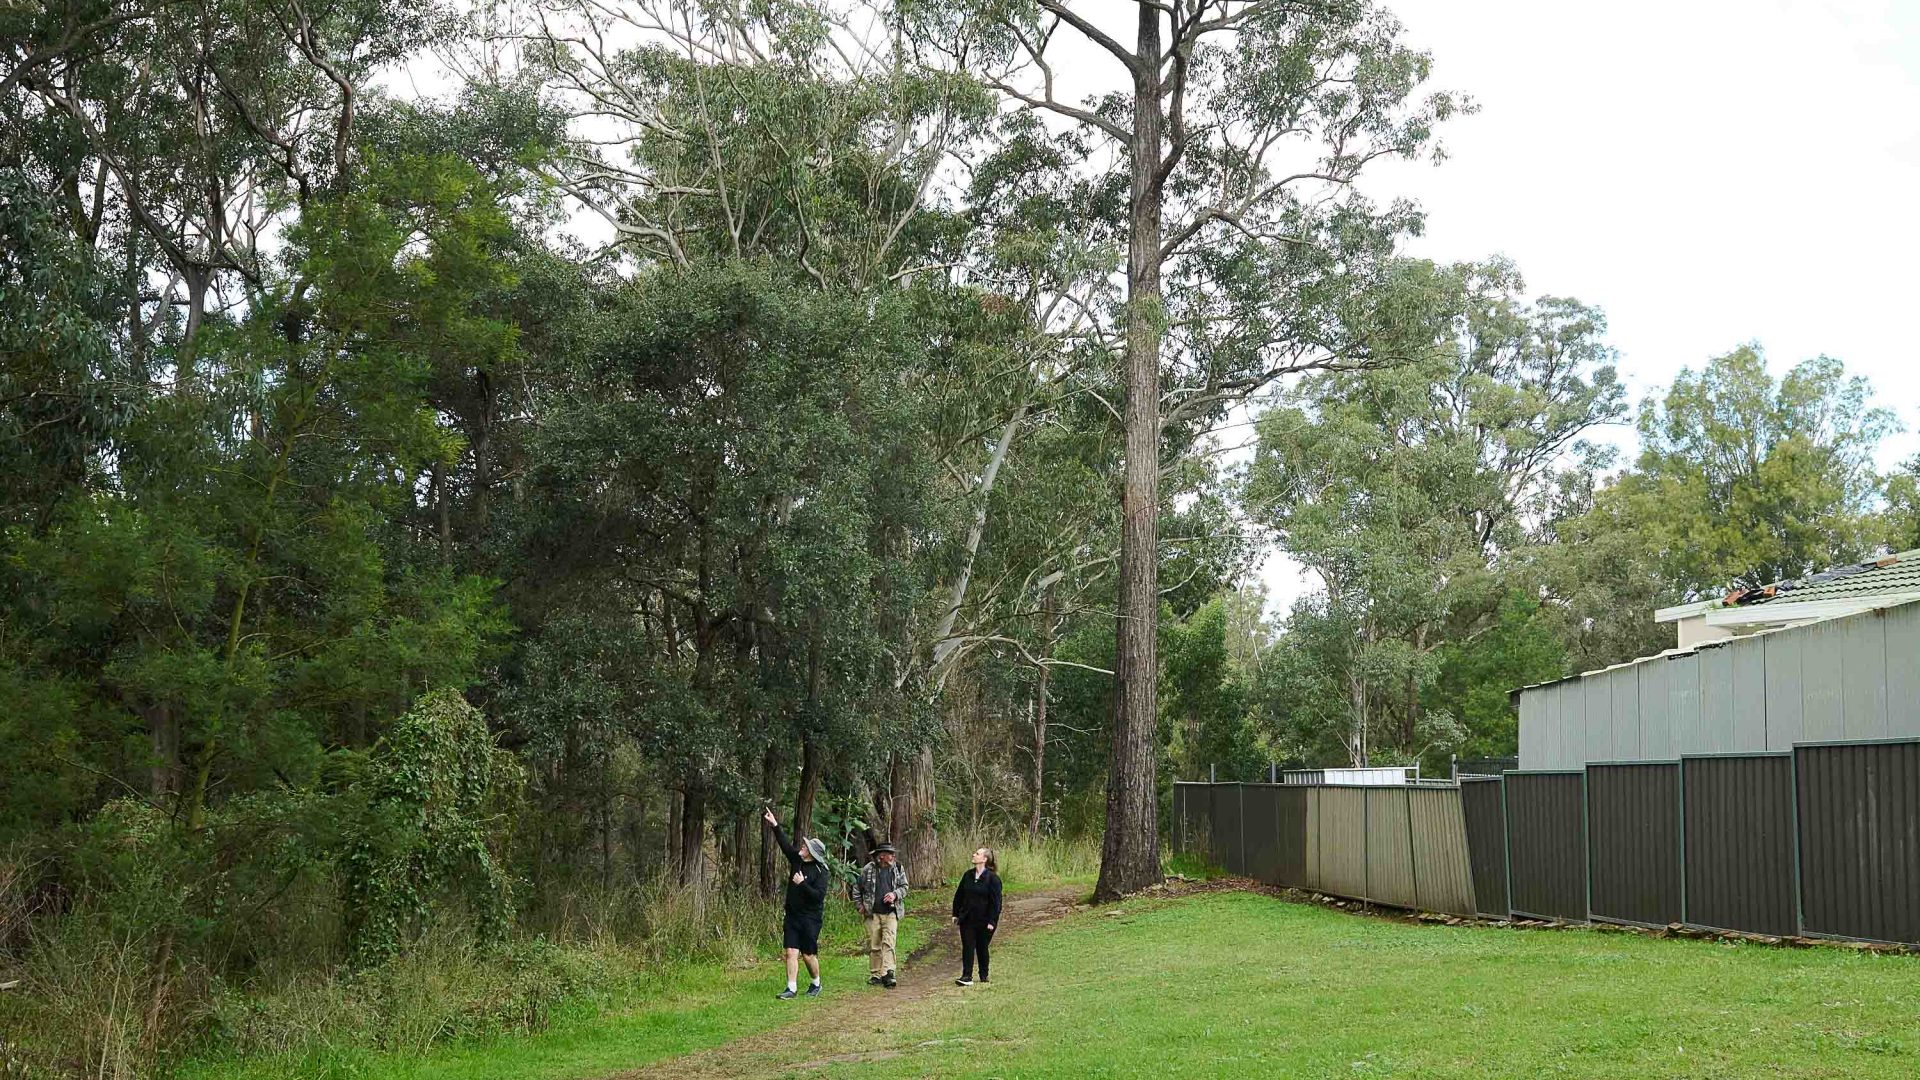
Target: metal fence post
1685, 917
1799, 898
1506, 838
1586, 842
1413, 857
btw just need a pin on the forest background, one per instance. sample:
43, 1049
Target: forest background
396, 565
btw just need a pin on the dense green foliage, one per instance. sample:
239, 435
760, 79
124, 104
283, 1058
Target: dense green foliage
436, 528
1465, 536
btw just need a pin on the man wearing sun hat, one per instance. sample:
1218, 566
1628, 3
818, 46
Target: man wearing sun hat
806, 904
881, 896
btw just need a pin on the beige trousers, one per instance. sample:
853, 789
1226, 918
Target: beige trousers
881, 930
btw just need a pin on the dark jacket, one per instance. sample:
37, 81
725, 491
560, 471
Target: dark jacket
877, 881
808, 899
976, 901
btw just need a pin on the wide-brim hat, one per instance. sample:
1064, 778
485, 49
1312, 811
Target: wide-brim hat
818, 848
883, 849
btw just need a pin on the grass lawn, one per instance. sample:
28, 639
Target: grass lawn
1240, 985
691, 1008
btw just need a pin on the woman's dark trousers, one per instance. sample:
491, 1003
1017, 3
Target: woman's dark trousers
974, 938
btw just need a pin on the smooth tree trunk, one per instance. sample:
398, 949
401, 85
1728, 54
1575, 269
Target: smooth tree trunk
1040, 717
1130, 851
1039, 756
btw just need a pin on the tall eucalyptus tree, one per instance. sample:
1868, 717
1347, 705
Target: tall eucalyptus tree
1241, 129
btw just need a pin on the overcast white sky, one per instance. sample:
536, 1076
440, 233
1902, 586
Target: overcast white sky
1708, 171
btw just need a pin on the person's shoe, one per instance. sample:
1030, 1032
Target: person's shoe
873, 980
963, 982
888, 981
984, 982
814, 990
788, 995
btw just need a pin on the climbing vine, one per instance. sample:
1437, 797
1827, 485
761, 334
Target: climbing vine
430, 818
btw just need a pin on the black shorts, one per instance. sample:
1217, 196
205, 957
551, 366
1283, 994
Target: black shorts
803, 933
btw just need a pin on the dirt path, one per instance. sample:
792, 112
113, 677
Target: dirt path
833, 1028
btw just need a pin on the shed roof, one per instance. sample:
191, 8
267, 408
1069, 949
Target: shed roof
1868, 602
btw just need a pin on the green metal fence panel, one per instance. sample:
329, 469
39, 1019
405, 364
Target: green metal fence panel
1547, 844
1484, 805
1633, 842
1260, 825
1739, 842
1230, 838
1859, 840
1290, 818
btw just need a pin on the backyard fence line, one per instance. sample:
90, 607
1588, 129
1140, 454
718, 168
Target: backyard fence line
1819, 841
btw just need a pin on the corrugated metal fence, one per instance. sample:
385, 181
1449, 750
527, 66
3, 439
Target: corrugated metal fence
1403, 846
1859, 810
1486, 820
1823, 841
1547, 844
1737, 812
1633, 842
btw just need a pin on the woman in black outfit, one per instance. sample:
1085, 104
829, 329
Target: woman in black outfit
806, 904
976, 907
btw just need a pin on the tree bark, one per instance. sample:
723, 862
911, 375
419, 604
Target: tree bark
1040, 717
1130, 851
606, 833
912, 825
671, 846
693, 832
770, 766
745, 867
1357, 694
198, 280
164, 730
944, 643
444, 525
812, 769
480, 506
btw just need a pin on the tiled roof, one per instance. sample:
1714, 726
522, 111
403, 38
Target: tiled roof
1885, 576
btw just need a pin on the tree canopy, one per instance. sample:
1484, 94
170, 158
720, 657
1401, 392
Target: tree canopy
455, 518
